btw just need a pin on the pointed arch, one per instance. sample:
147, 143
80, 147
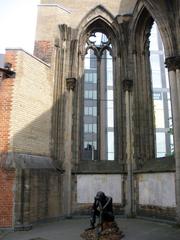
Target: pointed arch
143, 113
99, 12
98, 19
145, 13
141, 27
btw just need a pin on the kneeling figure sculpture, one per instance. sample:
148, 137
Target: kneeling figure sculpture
107, 228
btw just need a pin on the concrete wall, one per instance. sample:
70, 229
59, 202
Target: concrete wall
156, 195
30, 122
157, 189
88, 185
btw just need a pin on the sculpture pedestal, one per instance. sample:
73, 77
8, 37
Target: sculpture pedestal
108, 231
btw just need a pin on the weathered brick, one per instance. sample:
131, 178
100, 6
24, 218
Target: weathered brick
6, 200
43, 50
6, 89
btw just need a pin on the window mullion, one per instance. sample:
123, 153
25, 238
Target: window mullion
98, 107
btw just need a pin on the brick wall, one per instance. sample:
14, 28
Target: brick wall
6, 87
6, 197
7, 177
43, 50
69, 12
6, 90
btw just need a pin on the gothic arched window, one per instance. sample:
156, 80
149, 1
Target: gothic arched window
98, 99
161, 96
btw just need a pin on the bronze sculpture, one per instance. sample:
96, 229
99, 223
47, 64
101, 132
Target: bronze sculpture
107, 228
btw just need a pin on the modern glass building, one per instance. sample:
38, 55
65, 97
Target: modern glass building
1, 60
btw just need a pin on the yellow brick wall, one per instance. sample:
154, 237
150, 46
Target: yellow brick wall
76, 11
48, 15
83, 6
30, 122
127, 6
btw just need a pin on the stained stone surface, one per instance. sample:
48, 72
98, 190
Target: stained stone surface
70, 229
110, 231
38, 239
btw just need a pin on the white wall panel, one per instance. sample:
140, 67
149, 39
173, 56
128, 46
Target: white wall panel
157, 189
88, 185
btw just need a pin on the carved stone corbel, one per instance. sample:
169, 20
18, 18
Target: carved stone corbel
70, 83
173, 63
127, 85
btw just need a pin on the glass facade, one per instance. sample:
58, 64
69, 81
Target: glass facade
98, 118
161, 96
90, 107
2, 60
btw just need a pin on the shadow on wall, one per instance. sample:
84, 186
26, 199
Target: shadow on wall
127, 6
38, 172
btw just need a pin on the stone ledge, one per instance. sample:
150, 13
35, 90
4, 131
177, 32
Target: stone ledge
105, 231
157, 212
27, 161
98, 167
166, 164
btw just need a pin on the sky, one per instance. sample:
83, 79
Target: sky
18, 24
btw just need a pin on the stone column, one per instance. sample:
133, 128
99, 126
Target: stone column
22, 201
70, 84
129, 209
26, 203
173, 65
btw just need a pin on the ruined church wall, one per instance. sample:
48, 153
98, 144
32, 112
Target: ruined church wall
148, 198
51, 14
30, 120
